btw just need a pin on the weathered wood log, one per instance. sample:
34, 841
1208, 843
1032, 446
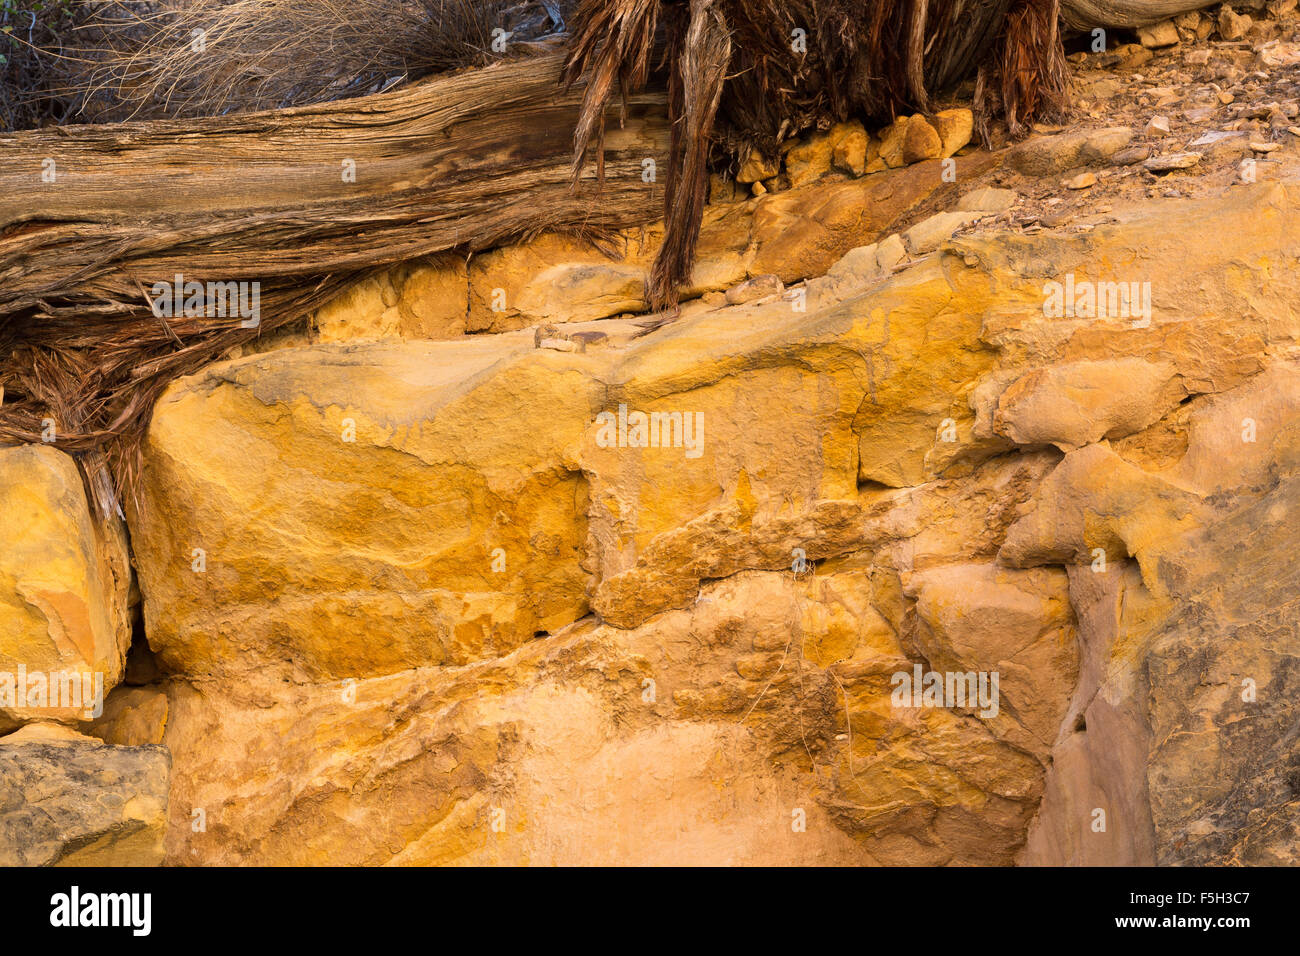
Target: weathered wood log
301, 201
465, 160
1086, 14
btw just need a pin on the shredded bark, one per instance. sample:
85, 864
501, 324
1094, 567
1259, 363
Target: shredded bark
464, 162
746, 75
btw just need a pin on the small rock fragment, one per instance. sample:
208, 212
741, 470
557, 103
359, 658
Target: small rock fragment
757, 167
549, 337
759, 287
1158, 35
988, 199
1134, 154
921, 141
1131, 56
859, 263
809, 160
890, 251
929, 234
955, 128
1049, 155
1232, 26
1188, 21
1220, 146
850, 145
891, 143
1166, 164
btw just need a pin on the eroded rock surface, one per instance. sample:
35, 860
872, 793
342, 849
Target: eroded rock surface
1184, 730
448, 610
69, 800
64, 588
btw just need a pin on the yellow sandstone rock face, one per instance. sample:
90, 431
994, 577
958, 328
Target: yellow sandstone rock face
436, 602
64, 583
332, 493
1180, 731
422, 300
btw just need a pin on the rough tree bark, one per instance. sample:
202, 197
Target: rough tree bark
1086, 14
461, 161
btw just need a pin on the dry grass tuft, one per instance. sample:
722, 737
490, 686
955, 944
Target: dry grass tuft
215, 57
192, 58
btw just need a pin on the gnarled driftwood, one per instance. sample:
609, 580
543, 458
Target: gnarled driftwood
92, 216
1086, 14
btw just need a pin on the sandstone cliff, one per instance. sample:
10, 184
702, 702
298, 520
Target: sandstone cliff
487, 567
410, 610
